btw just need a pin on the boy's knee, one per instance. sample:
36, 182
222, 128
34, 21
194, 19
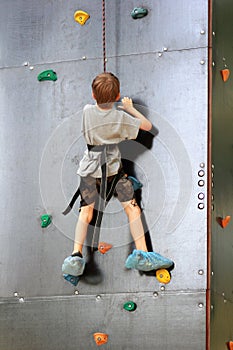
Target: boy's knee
86, 214
133, 208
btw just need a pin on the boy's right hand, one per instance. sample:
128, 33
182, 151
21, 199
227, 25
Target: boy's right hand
127, 104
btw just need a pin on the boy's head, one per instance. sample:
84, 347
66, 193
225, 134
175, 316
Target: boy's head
106, 88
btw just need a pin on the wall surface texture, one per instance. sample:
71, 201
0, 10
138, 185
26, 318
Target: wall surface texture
161, 61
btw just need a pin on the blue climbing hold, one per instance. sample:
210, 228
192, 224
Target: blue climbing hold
72, 279
136, 184
147, 261
73, 265
139, 12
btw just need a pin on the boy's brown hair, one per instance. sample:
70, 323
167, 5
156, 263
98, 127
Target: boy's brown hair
105, 88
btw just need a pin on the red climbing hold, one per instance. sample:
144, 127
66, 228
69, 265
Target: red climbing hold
224, 221
230, 345
103, 247
225, 74
100, 338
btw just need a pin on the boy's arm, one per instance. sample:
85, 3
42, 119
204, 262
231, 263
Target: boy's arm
128, 107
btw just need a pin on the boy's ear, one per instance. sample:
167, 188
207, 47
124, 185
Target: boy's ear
118, 96
93, 95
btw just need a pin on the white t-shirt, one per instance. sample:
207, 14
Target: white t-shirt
101, 127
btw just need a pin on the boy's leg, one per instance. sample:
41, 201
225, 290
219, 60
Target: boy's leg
85, 217
74, 265
140, 259
133, 212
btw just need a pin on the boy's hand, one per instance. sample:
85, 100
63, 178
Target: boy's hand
127, 104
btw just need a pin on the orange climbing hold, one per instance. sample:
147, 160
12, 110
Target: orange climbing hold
103, 247
81, 17
230, 345
224, 221
225, 74
100, 338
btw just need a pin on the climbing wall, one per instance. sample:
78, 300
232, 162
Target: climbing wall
161, 61
222, 199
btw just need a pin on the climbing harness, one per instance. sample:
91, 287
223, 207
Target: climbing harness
105, 195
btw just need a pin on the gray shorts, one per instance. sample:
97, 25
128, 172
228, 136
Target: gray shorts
90, 189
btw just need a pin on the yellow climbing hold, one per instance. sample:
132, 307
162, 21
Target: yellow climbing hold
81, 17
163, 276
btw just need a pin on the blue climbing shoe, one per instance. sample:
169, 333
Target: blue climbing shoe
73, 265
147, 261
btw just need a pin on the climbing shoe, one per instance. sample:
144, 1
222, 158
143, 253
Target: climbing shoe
73, 265
147, 261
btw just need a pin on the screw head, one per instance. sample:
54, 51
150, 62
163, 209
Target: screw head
201, 195
200, 305
201, 206
201, 272
202, 62
155, 294
201, 173
202, 32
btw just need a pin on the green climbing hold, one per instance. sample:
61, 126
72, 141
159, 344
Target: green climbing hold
47, 75
45, 220
139, 12
130, 306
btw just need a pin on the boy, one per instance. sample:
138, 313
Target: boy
102, 124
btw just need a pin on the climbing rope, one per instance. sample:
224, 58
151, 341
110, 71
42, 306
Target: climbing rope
103, 34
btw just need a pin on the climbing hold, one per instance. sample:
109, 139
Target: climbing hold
103, 247
72, 279
81, 17
130, 306
45, 220
139, 12
225, 74
163, 276
230, 345
223, 221
100, 338
136, 184
47, 75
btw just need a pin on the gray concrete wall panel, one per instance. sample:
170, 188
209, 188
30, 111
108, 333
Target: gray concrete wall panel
64, 322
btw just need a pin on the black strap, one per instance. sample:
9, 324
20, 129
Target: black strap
101, 199
71, 204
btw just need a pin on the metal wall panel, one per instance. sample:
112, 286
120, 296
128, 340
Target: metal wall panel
60, 323
171, 186
42, 146
27, 29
